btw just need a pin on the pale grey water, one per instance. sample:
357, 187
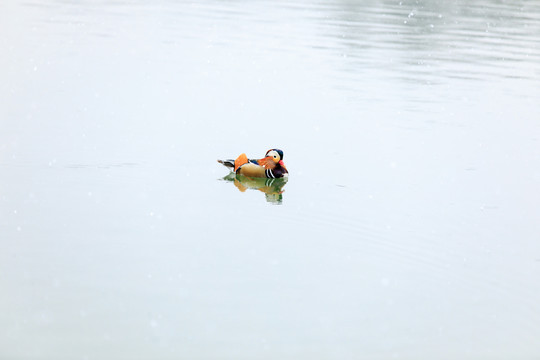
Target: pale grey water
410, 225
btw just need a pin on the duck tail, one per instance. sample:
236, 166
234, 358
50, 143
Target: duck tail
227, 163
233, 165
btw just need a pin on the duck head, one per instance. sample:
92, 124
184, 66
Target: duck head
275, 155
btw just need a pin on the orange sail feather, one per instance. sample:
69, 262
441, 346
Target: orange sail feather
241, 160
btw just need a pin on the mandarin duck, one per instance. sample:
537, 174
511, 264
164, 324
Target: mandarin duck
271, 166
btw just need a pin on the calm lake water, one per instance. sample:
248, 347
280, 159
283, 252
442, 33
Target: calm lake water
409, 227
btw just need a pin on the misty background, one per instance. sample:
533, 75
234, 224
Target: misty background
408, 228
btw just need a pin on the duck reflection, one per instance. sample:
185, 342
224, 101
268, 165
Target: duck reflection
272, 188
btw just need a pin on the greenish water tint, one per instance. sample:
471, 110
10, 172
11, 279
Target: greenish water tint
272, 188
408, 227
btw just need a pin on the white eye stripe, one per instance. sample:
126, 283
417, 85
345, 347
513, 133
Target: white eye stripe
273, 154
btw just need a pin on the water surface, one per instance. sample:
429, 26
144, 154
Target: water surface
408, 228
